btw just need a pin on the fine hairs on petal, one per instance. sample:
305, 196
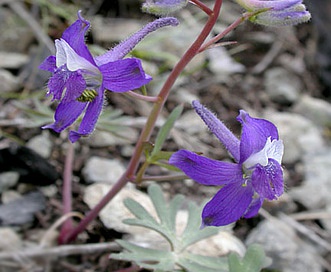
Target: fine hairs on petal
226, 137
122, 49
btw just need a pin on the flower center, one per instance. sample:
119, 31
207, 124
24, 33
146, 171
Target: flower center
87, 96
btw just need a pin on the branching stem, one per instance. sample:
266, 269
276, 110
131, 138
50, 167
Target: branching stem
150, 123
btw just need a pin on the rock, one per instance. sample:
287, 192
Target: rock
191, 123
220, 244
43, 141
21, 211
15, 34
300, 135
316, 110
315, 191
102, 170
282, 86
10, 196
8, 180
109, 30
9, 83
221, 63
288, 252
9, 241
115, 212
11, 60
124, 136
33, 168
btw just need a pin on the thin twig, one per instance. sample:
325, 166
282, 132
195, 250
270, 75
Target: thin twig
269, 57
19, 9
60, 251
143, 97
298, 227
315, 215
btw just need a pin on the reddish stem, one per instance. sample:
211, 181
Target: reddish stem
149, 126
66, 190
202, 6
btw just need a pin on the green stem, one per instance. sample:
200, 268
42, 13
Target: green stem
149, 126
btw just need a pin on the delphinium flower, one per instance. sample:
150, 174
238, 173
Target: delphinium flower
163, 7
276, 12
79, 80
255, 175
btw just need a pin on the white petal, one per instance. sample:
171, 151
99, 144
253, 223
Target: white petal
272, 150
72, 59
61, 57
276, 150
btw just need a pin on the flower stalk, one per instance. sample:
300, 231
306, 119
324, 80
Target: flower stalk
149, 126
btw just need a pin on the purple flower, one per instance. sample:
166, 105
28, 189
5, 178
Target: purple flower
256, 174
162, 7
79, 80
276, 12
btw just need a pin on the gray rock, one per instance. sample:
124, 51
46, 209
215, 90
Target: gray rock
315, 190
316, 110
288, 252
113, 30
282, 86
300, 135
115, 212
9, 240
21, 211
8, 180
10, 60
41, 144
124, 136
102, 170
221, 63
9, 83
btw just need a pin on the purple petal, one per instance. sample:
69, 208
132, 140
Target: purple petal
122, 49
268, 181
74, 35
124, 75
226, 137
255, 133
49, 64
204, 170
57, 82
228, 205
75, 86
253, 5
66, 114
90, 118
254, 207
282, 17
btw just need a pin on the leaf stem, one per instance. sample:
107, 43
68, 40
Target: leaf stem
202, 6
231, 27
143, 97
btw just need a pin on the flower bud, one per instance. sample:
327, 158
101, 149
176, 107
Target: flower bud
277, 12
